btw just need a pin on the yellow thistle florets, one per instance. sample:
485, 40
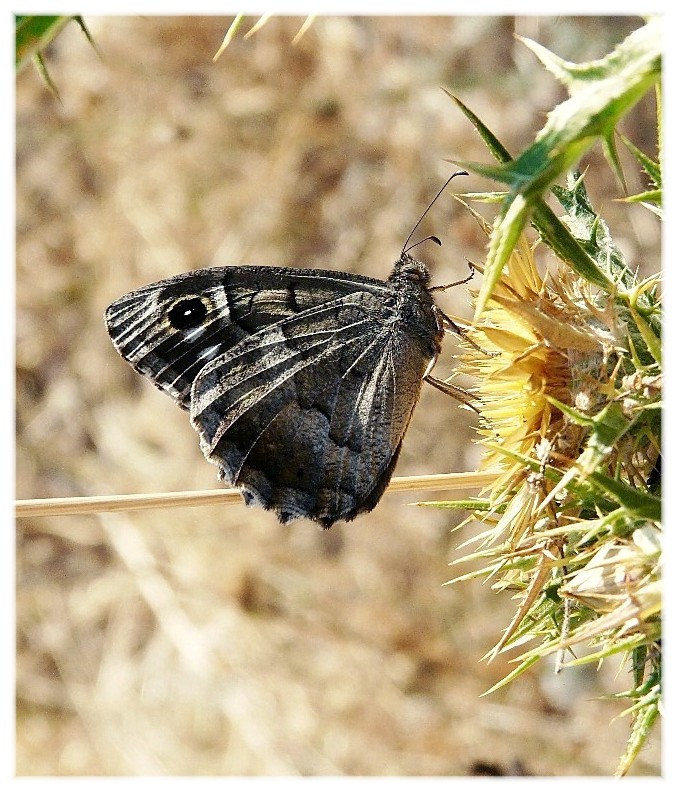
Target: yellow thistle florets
546, 343
551, 363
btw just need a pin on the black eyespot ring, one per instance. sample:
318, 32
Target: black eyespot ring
187, 313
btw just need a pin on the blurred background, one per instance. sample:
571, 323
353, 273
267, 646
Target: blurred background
213, 640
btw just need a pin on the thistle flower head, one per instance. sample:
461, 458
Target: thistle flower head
570, 421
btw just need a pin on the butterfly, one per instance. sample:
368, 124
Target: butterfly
299, 382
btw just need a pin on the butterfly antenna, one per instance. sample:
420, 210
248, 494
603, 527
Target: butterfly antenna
434, 239
405, 249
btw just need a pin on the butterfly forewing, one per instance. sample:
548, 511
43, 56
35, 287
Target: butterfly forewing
300, 383
237, 303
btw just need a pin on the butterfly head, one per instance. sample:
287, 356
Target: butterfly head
410, 270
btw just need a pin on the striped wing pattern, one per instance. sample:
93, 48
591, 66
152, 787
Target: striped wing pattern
300, 383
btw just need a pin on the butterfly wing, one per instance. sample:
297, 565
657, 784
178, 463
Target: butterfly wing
300, 383
308, 420
169, 330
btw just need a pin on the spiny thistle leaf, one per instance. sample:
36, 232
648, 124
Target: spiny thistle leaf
601, 92
492, 143
551, 229
591, 231
651, 168
646, 716
33, 34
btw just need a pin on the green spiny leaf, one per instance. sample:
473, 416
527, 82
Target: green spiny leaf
641, 727
33, 34
641, 504
493, 144
652, 169
591, 231
610, 151
555, 234
601, 93
649, 196
466, 505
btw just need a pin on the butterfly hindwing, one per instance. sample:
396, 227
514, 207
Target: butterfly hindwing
304, 416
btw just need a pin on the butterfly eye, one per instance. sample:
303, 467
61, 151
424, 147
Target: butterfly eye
187, 313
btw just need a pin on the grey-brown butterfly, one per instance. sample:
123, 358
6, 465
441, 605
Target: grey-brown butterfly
300, 382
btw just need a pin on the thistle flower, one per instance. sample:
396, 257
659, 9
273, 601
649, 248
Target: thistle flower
570, 422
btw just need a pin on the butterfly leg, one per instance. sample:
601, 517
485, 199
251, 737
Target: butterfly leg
447, 323
454, 391
472, 270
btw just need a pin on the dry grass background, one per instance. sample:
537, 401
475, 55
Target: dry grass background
215, 641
